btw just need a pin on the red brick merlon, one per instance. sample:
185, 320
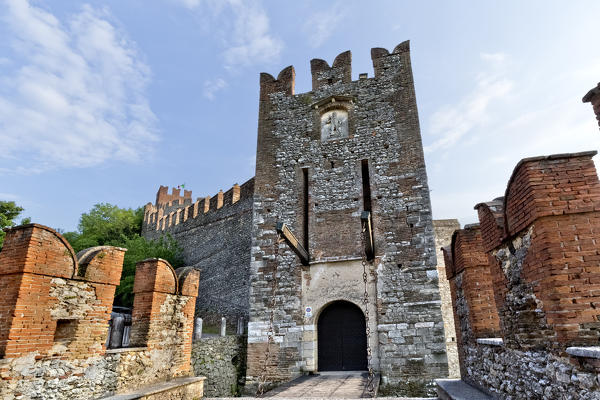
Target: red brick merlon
470, 260
39, 272
467, 249
448, 262
550, 185
491, 220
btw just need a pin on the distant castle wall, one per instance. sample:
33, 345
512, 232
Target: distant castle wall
215, 235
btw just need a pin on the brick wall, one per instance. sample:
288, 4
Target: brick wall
37, 268
545, 271
54, 322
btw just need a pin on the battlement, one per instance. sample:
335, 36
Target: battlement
323, 75
164, 198
179, 209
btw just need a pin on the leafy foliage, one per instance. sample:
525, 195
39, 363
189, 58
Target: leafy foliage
8, 212
108, 225
138, 249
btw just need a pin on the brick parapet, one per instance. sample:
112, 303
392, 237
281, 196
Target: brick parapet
163, 217
52, 298
550, 185
545, 269
491, 221
470, 262
163, 310
163, 198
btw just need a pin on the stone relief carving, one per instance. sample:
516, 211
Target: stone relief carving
334, 124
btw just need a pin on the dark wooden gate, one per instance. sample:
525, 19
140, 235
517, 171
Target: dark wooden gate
342, 340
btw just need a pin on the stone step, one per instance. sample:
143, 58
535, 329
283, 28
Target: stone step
456, 389
322, 398
189, 388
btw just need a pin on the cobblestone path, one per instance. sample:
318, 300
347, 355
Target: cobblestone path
339, 385
326, 385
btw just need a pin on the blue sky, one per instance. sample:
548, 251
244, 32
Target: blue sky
105, 101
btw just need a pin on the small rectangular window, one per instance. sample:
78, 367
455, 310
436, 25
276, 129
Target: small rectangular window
366, 185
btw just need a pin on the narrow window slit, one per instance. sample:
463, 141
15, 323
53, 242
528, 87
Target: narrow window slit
305, 207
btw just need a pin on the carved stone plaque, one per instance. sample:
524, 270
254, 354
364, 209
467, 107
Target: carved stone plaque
334, 124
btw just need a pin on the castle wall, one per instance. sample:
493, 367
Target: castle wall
377, 122
541, 242
443, 230
55, 328
215, 235
222, 360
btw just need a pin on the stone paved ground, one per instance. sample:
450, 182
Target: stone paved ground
343, 385
332, 385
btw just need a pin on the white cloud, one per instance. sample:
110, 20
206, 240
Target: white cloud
244, 28
250, 42
244, 25
191, 4
212, 86
322, 24
453, 122
495, 57
8, 197
78, 98
511, 112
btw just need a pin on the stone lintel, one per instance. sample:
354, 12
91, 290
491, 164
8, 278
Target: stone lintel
588, 352
491, 341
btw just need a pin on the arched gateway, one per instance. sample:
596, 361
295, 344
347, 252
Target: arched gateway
342, 341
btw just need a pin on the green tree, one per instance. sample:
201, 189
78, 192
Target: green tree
138, 249
8, 212
108, 225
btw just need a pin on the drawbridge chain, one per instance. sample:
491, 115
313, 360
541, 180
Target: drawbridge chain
271, 332
371, 378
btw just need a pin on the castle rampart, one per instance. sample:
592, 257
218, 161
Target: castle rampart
541, 242
55, 315
214, 233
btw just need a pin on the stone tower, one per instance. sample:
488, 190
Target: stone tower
324, 157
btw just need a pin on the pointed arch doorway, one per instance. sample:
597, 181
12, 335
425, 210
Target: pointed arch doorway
342, 340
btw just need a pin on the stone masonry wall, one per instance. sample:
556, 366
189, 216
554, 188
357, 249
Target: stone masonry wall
541, 241
215, 235
54, 327
222, 360
443, 229
382, 131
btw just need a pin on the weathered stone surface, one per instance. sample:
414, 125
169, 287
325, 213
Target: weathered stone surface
383, 132
222, 360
